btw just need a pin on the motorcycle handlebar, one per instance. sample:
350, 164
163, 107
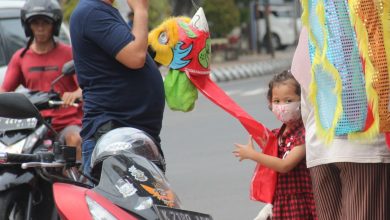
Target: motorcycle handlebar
58, 103
23, 158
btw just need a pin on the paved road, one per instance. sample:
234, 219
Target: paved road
198, 145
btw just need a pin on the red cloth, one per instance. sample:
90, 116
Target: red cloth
36, 72
264, 179
293, 198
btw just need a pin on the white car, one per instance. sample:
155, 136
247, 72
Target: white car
281, 19
12, 35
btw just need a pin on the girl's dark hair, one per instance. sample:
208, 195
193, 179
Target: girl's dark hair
280, 79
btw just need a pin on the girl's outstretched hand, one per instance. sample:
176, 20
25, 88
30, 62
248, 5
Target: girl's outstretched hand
244, 151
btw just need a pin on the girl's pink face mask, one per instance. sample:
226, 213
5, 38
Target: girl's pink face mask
287, 113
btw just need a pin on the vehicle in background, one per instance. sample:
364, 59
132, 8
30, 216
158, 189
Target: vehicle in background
12, 35
284, 25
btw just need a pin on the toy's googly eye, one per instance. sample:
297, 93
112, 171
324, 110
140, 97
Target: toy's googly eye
163, 38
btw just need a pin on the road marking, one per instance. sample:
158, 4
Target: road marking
234, 92
247, 93
255, 92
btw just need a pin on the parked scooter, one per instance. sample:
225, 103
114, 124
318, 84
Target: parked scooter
23, 193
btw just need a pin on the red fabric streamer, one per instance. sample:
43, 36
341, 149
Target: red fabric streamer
264, 179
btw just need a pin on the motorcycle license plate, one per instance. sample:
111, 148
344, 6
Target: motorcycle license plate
166, 213
10, 124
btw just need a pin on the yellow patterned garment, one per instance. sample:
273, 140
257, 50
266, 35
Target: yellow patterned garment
349, 45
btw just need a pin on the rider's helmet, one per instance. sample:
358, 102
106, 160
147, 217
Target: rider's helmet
36, 8
122, 141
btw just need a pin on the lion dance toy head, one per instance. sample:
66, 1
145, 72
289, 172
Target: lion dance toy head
183, 44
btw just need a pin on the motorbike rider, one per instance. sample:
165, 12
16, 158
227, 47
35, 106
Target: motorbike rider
40, 62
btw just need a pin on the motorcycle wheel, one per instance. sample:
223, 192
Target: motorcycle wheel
13, 203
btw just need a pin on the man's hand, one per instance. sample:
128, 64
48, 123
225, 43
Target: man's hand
244, 151
70, 98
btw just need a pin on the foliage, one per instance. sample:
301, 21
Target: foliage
243, 7
244, 2
222, 16
183, 7
68, 7
158, 10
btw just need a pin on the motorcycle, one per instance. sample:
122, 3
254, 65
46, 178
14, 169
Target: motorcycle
23, 193
127, 180
129, 183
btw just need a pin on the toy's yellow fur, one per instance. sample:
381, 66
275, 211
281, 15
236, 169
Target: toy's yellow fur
164, 54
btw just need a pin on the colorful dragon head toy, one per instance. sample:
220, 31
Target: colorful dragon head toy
183, 44
349, 47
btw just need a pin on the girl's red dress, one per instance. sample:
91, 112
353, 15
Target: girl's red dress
293, 197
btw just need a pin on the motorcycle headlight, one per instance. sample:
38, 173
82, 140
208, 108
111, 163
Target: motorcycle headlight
16, 148
144, 203
97, 211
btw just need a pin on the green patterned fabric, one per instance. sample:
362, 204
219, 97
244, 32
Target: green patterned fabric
180, 93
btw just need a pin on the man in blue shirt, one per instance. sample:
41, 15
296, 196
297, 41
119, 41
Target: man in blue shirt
122, 86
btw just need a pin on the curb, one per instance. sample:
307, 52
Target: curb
228, 72
247, 70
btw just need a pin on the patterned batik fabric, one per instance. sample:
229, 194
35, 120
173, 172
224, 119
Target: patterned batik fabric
349, 46
293, 198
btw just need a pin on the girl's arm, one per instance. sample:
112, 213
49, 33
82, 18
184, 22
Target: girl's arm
280, 165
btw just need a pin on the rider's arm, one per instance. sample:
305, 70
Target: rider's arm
14, 75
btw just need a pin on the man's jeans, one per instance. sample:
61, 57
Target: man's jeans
87, 147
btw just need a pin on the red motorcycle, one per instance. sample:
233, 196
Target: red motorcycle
126, 181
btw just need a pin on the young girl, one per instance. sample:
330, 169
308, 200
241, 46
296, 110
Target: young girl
293, 197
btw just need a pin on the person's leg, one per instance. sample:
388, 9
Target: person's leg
366, 191
70, 136
87, 146
327, 191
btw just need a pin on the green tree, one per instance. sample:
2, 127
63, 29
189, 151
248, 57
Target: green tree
222, 16
243, 7
158, 10
67, 7
182, 7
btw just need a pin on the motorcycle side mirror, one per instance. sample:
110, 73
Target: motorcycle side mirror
67, 70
